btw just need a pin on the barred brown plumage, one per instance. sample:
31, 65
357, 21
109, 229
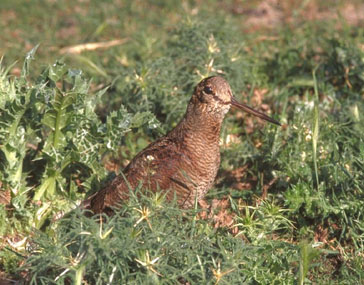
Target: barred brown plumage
185, 161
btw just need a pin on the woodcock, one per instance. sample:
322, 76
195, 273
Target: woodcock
185, 161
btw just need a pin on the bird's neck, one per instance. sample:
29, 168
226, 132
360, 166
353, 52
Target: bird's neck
198, 124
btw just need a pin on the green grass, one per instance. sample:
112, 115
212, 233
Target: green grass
295, 194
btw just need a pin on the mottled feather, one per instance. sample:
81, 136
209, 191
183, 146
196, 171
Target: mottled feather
185, 161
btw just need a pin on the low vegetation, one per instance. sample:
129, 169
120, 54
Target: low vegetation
287, 204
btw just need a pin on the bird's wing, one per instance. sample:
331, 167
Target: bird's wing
159, 166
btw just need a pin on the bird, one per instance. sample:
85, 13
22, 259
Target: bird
183, 163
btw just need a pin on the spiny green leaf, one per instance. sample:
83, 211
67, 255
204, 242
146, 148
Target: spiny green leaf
28, 58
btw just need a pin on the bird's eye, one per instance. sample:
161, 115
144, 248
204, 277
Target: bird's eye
208, 90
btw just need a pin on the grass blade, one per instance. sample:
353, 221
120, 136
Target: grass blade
315, 126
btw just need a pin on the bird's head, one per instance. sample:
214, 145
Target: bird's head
213, 95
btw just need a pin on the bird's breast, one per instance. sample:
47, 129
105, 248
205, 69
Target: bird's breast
200, 162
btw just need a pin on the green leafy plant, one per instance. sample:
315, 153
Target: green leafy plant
52, 141
295, 195
151, 239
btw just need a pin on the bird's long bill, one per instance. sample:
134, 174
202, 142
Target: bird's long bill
250, 110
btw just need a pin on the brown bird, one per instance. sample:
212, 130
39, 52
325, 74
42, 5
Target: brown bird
185, 161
